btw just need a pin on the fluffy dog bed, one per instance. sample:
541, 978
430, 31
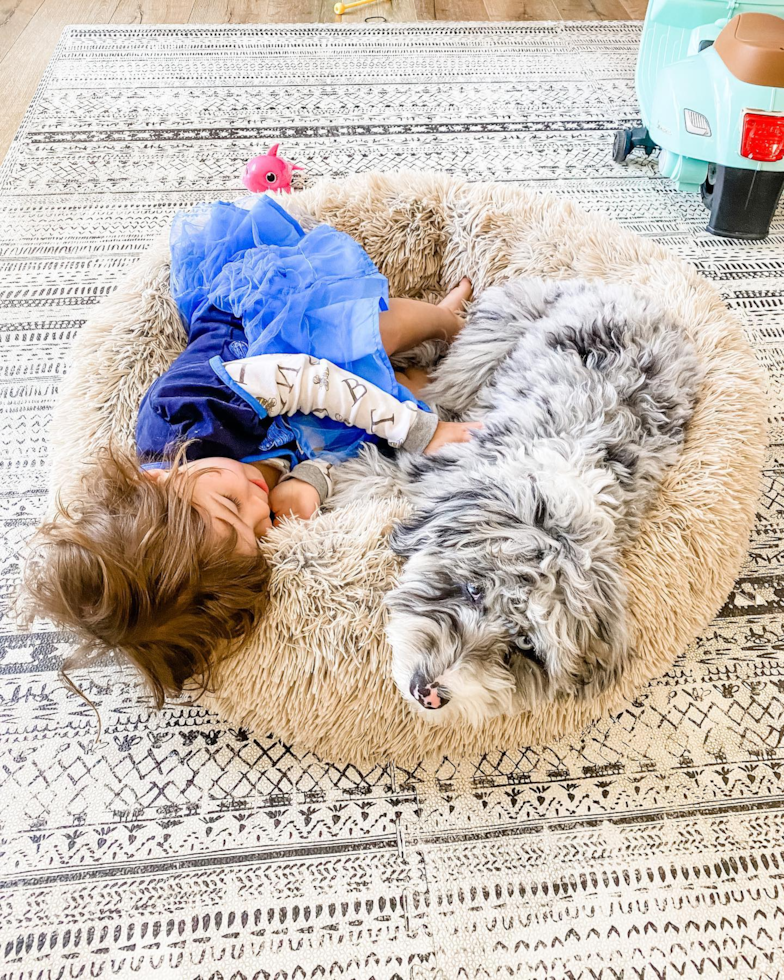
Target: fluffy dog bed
317, 672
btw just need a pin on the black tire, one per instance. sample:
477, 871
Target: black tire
706, 189
622, 145
743, 202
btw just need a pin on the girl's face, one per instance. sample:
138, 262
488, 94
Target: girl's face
229, 494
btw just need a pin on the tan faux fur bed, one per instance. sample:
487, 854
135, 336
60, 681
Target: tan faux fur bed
317, 672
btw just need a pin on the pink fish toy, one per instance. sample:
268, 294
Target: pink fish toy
269, 172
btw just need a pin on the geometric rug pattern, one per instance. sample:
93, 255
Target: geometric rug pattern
649, 847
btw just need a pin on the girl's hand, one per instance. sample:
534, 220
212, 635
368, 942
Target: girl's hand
447, 432
294, 498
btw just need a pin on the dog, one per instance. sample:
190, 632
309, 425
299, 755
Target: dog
512, 588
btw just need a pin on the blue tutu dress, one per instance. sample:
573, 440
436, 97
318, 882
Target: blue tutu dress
314, 293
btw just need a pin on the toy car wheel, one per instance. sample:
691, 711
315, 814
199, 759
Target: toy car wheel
622, 145
706, 189
742, 202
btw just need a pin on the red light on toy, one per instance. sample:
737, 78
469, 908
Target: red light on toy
763, 137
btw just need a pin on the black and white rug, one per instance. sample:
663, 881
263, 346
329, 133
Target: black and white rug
648, 848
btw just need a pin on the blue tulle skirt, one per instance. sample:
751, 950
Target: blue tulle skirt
314, 293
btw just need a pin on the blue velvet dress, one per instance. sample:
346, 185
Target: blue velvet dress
250, 281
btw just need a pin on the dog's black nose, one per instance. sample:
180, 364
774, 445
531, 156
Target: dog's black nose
426, 694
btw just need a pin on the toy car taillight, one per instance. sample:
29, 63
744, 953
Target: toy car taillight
763, 137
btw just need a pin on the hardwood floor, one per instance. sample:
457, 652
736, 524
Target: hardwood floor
29, 29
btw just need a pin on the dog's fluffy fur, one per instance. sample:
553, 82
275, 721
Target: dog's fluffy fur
512, 589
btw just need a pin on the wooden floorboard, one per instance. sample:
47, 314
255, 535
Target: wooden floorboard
15, 15
523, 10
228, 12
460, 10
29, 29
593, 9
152, 12
397, 12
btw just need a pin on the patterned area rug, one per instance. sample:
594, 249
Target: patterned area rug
647, 848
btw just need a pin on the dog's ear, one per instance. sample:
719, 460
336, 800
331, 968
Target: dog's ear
574, 609
452, 520
412, 536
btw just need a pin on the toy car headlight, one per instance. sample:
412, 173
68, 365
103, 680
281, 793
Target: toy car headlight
696, 123
763, 136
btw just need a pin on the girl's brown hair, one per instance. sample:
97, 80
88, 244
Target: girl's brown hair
130, 566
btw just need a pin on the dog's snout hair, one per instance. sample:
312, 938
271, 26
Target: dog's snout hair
512, 588
444, 642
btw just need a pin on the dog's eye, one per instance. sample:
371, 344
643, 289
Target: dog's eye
522, 646
473, 593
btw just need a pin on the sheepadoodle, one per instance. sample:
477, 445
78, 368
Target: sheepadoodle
512, 589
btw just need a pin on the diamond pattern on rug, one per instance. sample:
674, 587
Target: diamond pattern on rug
649, 847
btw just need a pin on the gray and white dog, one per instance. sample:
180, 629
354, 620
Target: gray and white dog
512, 590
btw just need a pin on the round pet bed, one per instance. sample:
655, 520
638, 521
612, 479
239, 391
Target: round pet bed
316, 673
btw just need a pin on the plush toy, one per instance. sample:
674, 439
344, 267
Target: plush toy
269, 172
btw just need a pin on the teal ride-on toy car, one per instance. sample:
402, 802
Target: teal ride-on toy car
710, 80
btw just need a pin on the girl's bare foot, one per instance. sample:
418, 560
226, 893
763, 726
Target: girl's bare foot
455, 302
456, 299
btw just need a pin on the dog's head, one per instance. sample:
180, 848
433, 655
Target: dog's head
510, 594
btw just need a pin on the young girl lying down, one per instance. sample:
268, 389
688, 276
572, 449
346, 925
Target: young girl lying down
285, 373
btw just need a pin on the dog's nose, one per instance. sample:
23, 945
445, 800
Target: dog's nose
426, 694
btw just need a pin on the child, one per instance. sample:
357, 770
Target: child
160, 561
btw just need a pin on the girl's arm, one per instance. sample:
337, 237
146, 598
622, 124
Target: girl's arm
289, 383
